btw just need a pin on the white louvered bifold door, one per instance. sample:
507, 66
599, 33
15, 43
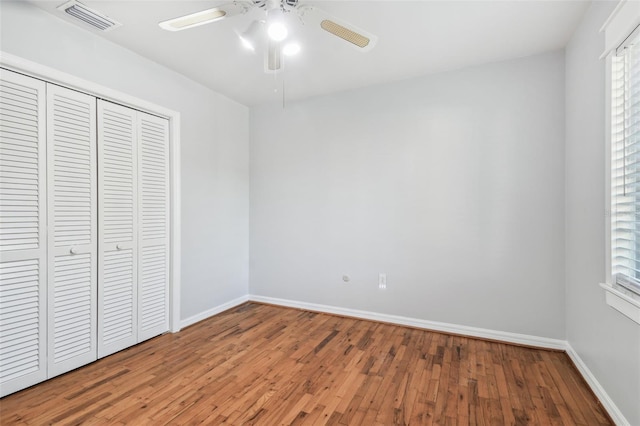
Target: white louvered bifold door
118, 251
23, 245
153, 220
72, 207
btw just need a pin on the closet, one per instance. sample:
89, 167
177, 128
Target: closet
84, 229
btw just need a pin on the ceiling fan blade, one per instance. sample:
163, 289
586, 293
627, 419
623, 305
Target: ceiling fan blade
357, 37
273, 57
207, 16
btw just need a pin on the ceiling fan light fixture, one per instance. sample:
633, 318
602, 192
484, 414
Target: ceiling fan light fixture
251, 36
276, 29
291, 49
193, 20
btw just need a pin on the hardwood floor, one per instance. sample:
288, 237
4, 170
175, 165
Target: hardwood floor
267, 365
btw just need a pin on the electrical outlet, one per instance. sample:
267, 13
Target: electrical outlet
382, 281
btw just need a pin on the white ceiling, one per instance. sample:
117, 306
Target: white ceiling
415, 38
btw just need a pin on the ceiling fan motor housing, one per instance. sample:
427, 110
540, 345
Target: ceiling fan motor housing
289, 5
286, 5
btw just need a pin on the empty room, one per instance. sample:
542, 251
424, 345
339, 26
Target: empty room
281, 212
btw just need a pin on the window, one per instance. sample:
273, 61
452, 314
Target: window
622, 53
625, 163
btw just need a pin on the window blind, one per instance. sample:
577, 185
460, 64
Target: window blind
625, 164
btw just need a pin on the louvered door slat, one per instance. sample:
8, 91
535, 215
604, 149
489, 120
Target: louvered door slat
72, 177
153, 220
117, 149
21, 144
23, 262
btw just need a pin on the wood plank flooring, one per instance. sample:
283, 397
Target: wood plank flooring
267, 365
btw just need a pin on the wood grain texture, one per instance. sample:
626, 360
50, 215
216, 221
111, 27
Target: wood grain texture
267, 365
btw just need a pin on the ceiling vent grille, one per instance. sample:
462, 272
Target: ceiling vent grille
97, 20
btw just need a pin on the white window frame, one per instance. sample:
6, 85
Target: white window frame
52, 75
622, 22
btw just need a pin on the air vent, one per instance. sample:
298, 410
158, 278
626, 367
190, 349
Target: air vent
345, 33
89, 16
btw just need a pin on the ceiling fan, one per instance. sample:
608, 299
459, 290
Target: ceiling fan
272, 29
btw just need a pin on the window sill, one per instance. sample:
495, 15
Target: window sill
623, 301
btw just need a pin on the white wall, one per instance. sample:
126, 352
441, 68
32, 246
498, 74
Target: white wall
214, 141
607, 342
452, 184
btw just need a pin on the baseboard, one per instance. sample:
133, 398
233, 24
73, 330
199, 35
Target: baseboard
608, 404
520, 339
213, 311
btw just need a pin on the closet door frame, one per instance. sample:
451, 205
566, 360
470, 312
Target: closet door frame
42, 72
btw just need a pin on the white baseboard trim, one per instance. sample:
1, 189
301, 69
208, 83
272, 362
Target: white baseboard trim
213, 311
522, 339
596, 387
